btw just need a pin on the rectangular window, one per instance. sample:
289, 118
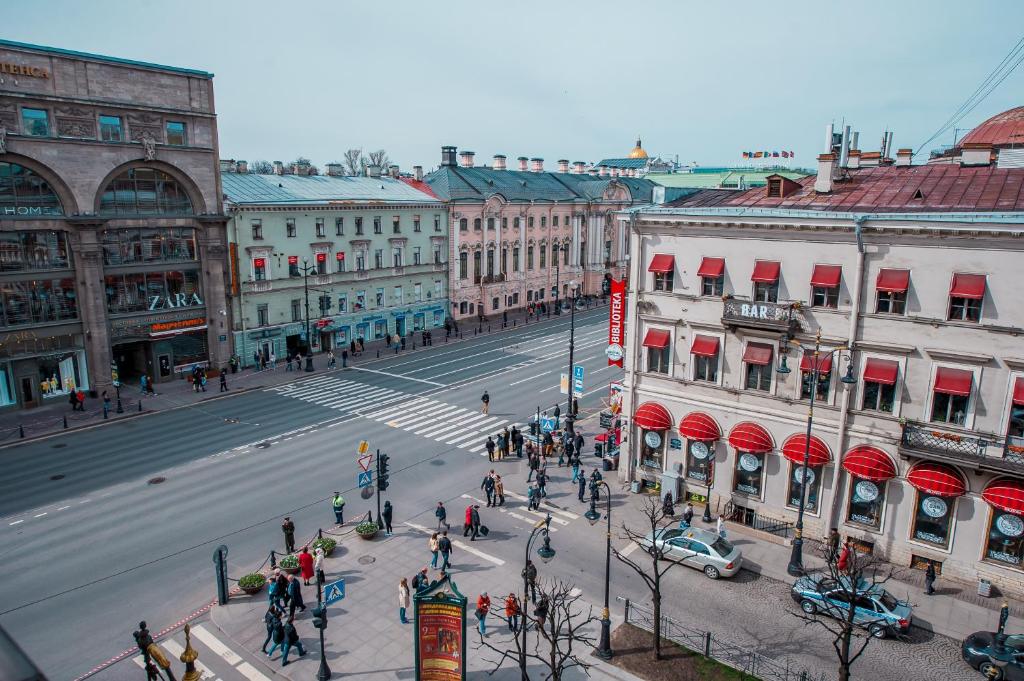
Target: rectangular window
416, 257
359, 226
296, 310
437, 223
259, 269
381, 300
175, 133
529, 221
495, 303
529, 257
705, 368
490, 262
340, 258
396, 256
554, 255
1005, 542
463, 265
607, 251
807, 378
378, 258
321, 230
965, 296
663, 281
757, 360
339, 226
257, 230
463, 225
543, 221
476, 224
397, 300
504, 260
867, 499
110, 129
504, 223
262, 315
891, 286
658, 360
799, 479
360, 300
437, 254
948, 408
437, 288
766, 292
515, 259
377, 228
477, 266
930, 526
289, 227
749, 473
565, 256
879, 396
964, 309
891, 302
554, 221
416, 223
321, 263
543, 257
825, 297
712, 286
825, 285
396, 225
361, 261
698, 460
417, 293
490, 223
293, 266
343, 302
35, 122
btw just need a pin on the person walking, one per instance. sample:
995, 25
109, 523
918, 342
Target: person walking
318, 566
549, 445
273, 361
282, 590
929, 579
529, 573
277, 636
441, 513
272, 619
444, 545
485, 402
843, 564
73, 400
291, 640
540, 613
331, 360
294, 596
512, 612
434, 544
467, 526
534, 464
483, 606
106, 403
255, 360
474, 521
557, 413
531, 493
488, 487
489, 445
575, 463
288, 528
387, 514
403, 600
720, 526
273, 593
499, 491
833, 543
224, 380
582, 482
568, 449
687, 516
306, 565
142, 384
338, 504
542, 481
501, 446
288, 364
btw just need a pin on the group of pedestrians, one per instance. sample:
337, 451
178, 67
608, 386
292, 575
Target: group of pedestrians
507, 442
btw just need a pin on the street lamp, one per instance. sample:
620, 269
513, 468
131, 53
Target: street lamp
320, 623
796, 559
306, 269
604, 647
546, 553
569, 416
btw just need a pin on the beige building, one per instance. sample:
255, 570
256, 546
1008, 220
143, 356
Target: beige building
910, 274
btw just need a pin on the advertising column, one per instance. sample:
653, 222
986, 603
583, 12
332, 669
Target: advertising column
440, 619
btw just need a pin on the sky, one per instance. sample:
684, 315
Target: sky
579, 80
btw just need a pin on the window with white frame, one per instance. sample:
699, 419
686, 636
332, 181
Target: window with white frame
951, 395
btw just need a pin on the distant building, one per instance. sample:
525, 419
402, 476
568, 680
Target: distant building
636, 164
1001, 135
723, 178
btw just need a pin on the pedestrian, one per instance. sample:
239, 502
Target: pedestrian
272, 620
403, 600
434, 545
282, 589
667, 508
557, 413
687, 516
499, 490
489, 445
501, 446
529, 574
517, 441
291, 640
387, 514
224, 380
474, 521
331, 359
929, 579
549, 445
569, 449
288, 363
420, 581
577, 444
843, 564
467, 526
444, 545
508, 442
488, 487
318, 566
106, 404
344, 359
295, 596
575, 462
306, 565
596, 477
512, 612
142, 384
73, 400
362, 344
274, 591
582, 481
485, 401
338, 504
720, 526
273, 361
534, 464
833, 542
540, 613
288, 528
352, 346
255, 360
441, 513
263, 361
277, 636
531, 491
542, 481
483, 605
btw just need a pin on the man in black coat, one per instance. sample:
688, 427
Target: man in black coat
291, 639
272, 619
488, 487
474, 518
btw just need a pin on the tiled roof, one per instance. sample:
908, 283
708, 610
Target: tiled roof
453, 183
419, 185
926, 188
721, 178
100, 57
705, 198
624, 162
246, 188
1000, 130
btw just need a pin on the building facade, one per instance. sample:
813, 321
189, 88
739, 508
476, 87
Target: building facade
112, 255
374, 249
908, 276
521, 236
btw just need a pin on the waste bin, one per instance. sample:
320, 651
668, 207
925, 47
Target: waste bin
634, 487
607, 464
598, 449
984, 588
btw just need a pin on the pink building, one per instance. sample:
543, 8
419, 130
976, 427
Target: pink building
518, 236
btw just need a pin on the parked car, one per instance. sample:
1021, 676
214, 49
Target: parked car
877, 610
977, 647
699, 549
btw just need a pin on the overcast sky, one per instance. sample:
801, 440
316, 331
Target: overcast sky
557, 79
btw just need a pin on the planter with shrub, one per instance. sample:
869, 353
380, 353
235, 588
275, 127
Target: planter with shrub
367, 530
325, 543
289, 564
252, 583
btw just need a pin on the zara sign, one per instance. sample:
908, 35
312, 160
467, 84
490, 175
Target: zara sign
174, 302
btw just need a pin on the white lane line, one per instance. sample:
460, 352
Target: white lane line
554, 387
463, 546
251, 673
84, 501
530, 378
450, 423
400, 376
383, 413
633, 546
567, 514
40, 515
214, 644
17, 522
63, 507
410, 423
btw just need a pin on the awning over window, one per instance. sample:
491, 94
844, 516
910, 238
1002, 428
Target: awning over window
824, 363
1018, 392
662, 263
893, 281
705, 346
652, 416
826, 276
699, 426
657, 338
750, 437
1006, 494
881, 371
936, 479
766, 272
968, 286
869, 463
953, 381
758, 353
793, 449
712, 268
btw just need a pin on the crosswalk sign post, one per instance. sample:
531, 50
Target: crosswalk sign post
577, 381
365, 478
334, 592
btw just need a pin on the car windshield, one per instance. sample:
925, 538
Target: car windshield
1016, 642
722, 547
888, 600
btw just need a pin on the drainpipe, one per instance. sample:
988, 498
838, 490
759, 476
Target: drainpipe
844, 405
241, 289
633, 354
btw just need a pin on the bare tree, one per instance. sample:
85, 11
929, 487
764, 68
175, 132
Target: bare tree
843, 593
560, 634
354, 161
261, 168
302, 161
380, 158
655, 520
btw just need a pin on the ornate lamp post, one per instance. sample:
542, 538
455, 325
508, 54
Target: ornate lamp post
604, 647
575, 292
796, 559
546, 553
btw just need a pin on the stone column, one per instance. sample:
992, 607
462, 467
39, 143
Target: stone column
212, 258
92, 301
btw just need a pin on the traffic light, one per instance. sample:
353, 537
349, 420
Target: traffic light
382, 472
320, 617
606, 286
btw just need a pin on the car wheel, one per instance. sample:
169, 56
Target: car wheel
877, 630
711, 571
808, 607
987, 669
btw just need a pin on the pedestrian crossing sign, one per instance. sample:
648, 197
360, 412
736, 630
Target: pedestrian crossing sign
334, 592
365, 479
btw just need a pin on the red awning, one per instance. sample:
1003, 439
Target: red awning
766, 272
893, 281
881, 371
826, 276
757, 353
824, 363
936, 479
818, 455
699, 426
1006, 494
712, 268
750, 437
652, 416
953, 381
968, 286
1018, 392
662, 263
657, 338
869, 463
705, 346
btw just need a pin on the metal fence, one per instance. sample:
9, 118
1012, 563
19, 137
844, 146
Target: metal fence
716, 648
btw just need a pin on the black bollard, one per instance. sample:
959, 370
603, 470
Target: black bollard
21, 431
378, 354
319, 533
513, 323
488, 328
65, 421
140, 406
273, 559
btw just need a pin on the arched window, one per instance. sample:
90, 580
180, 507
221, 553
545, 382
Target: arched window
145, 191
25, 193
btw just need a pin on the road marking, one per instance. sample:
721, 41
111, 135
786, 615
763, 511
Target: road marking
540, 515
40, 515
530, 378
575, 591
251, 673
214, 644
400, 376
633, 546
63, 507
568, 514
17, 522
554, 387
462, 546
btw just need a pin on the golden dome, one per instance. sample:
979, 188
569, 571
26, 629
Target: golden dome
638, 151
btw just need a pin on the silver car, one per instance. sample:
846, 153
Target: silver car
699, 549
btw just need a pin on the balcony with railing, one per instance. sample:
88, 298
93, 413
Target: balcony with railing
760, 315
258, 286
982, 451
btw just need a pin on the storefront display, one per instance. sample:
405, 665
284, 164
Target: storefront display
811, 479
698, 461
749, 473
867, 500
60, 374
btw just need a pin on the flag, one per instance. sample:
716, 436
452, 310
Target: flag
758, 154
791, 154
775, 154
746, 154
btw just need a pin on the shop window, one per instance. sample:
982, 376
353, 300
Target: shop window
110, 129
25, 251
38, 301
749, 473
1005, 538
152, 291
58, 374
663, 281
651, 446
933, 519
24, 193
176, 133
149, 245
867, 500
35, 122
145, 191
699, 457
811, 479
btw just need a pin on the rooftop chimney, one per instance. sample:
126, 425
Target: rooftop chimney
335, 169
577, 167
278, 168
293, 169
242, 166
372, 170
614, 172
976, 154
903, 157
417, 173
537, 165
602, 171
448, 156
522, 163
227, 165
826, 166
393, 171
499, 162
870, 159
563, 165
466, 159
853, 159
593, 171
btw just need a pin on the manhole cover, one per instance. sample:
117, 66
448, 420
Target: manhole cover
366, 560
230, 420
59, 476
437, 462
262, 445
59, 445
155, 481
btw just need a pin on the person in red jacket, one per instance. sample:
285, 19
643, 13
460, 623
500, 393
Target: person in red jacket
468, 525
512, 612
843, 564
306, 565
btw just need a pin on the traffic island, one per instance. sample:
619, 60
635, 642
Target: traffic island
634, 653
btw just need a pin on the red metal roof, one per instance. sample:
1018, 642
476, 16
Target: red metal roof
970, 286
712, 268
766, 271
937, 479
750, 437
826, 276
662, 263
419, 185
953, 381
943, 187
699, 426
1006, 494
705, 346
652, 416
1002, 129
758, 353
881, 371
818, 455
869, 463
656, 338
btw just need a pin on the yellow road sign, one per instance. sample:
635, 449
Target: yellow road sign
364, 447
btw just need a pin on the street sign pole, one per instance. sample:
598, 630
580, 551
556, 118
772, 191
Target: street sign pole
380, 521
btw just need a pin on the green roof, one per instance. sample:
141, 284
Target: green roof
249, 188
455, 183
100, 57
723, 178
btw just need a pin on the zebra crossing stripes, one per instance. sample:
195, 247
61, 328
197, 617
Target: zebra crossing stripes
340, 394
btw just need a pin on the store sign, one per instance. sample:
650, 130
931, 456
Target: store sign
321, 257
293, 260
174, 302
777, 314
10, 210
13, 69
866, 490
260, 262
340, 255
749, 462
652, 439
162, 328
803, 475
934, 507
699, 450
616, 322
1010, 525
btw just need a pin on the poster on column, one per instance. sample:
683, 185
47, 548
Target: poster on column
440, 619
616, 323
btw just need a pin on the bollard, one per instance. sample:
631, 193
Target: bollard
21, 431
140, 406
378, 354
707, 644
65, 421
488, 328
273, 559
513, 323
319, 533
414, 345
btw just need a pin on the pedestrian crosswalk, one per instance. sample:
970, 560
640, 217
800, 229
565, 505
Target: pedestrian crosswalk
339, 394
216, 662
